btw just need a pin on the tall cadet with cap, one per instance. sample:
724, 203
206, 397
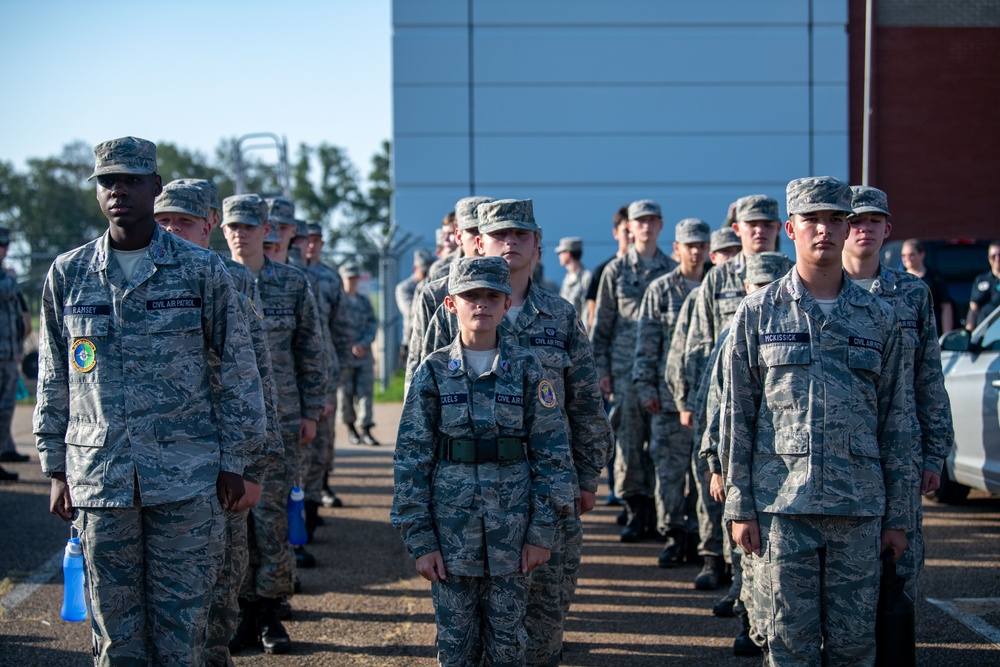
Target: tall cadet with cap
143, 449
338, 326
816, 445
12, 332
927, 401
430, 297
406, 290
618, 300
482, 473
296, 345
757, 225
551, 329
577, 279
670, 444
357, 386
183, 209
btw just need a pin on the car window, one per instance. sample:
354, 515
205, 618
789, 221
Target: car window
991, 339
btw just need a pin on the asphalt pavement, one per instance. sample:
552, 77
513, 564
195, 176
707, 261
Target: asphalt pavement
365, 605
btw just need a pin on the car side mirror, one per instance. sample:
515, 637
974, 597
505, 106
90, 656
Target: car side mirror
956, 340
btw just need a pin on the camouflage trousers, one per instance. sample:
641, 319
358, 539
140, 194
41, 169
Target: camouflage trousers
815, 588
911, 563
709, 511
357, 386
150, 573
225, 613
550, 591
8, 398
480, 620
670, 447
271, 563
316, 459
635, 474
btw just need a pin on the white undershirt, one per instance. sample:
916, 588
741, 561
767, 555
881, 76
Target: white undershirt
480, 361
513, 313
866, 284
826, 305
128, 260
691, 284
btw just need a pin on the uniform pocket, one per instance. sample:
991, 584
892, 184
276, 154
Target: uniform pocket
86, 434
93, 326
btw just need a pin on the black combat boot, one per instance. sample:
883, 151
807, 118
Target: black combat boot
273, 636
673, 550
632, 532
711, 575
368, 438
352, 434
743, 645
304, 559
724, 607
246, 632
650, 529
7, 476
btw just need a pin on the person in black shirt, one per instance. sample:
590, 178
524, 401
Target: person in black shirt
985, 297
913, 255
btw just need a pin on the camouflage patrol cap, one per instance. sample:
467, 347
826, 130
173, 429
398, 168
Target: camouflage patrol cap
280, 211
637, 209
764, 267
4, 236
570, 244
724, 238
301, 229
865, 199
465, 211
692, 230
350, 270
179, 198
272, 233
314, 229
207, 186
244, 209
126, 155
469, 273
423, 258
817, 193
757, 207
506, 214
439, 236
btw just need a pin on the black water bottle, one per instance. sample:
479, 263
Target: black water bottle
895, 633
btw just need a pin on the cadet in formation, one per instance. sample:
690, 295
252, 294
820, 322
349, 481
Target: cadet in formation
143, 450
12, 332
815, 447
927, 400
482, 473
617, 311
357, 386
577, 280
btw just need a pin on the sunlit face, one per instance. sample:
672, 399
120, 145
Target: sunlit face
479, 310
866, 234
721, 255
518, 246
645, 229
819, 237
757, 235
691, 255
286, 232
244, 240
994, 257
188, 227
467, 239
449, 242
273, 251
126, 199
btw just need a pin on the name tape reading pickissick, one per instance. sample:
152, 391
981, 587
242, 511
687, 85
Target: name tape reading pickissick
776, 338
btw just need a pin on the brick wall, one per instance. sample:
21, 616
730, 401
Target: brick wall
935, 130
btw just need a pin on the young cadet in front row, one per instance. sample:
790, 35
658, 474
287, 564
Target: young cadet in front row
927, 399
143, 449
815, 437
550, 327
183, 209
482, 473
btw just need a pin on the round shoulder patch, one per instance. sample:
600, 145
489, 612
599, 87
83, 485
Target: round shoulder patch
84, 355
580, 327
983, 286
546, 394
253, 309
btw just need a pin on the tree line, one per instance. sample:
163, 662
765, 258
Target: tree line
50, 207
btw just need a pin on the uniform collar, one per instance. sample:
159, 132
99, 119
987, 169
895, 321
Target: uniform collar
659, 258
162, 249
268, 272
886, 281
456, 359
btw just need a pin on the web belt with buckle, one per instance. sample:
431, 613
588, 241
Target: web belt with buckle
481, 450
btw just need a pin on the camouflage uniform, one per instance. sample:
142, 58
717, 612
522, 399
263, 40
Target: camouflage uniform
11, 340
927, 400
670, 444
814, 447
291, 319
623, 283
358, 374
126, 410
428, 299
480, 515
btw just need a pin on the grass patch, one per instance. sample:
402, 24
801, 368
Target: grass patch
394, 392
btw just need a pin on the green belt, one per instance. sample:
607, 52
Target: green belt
481, 450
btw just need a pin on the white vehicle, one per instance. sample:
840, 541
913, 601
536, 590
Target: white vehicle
971, 364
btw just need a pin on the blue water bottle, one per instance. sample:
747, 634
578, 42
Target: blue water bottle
74, 607
297, 517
